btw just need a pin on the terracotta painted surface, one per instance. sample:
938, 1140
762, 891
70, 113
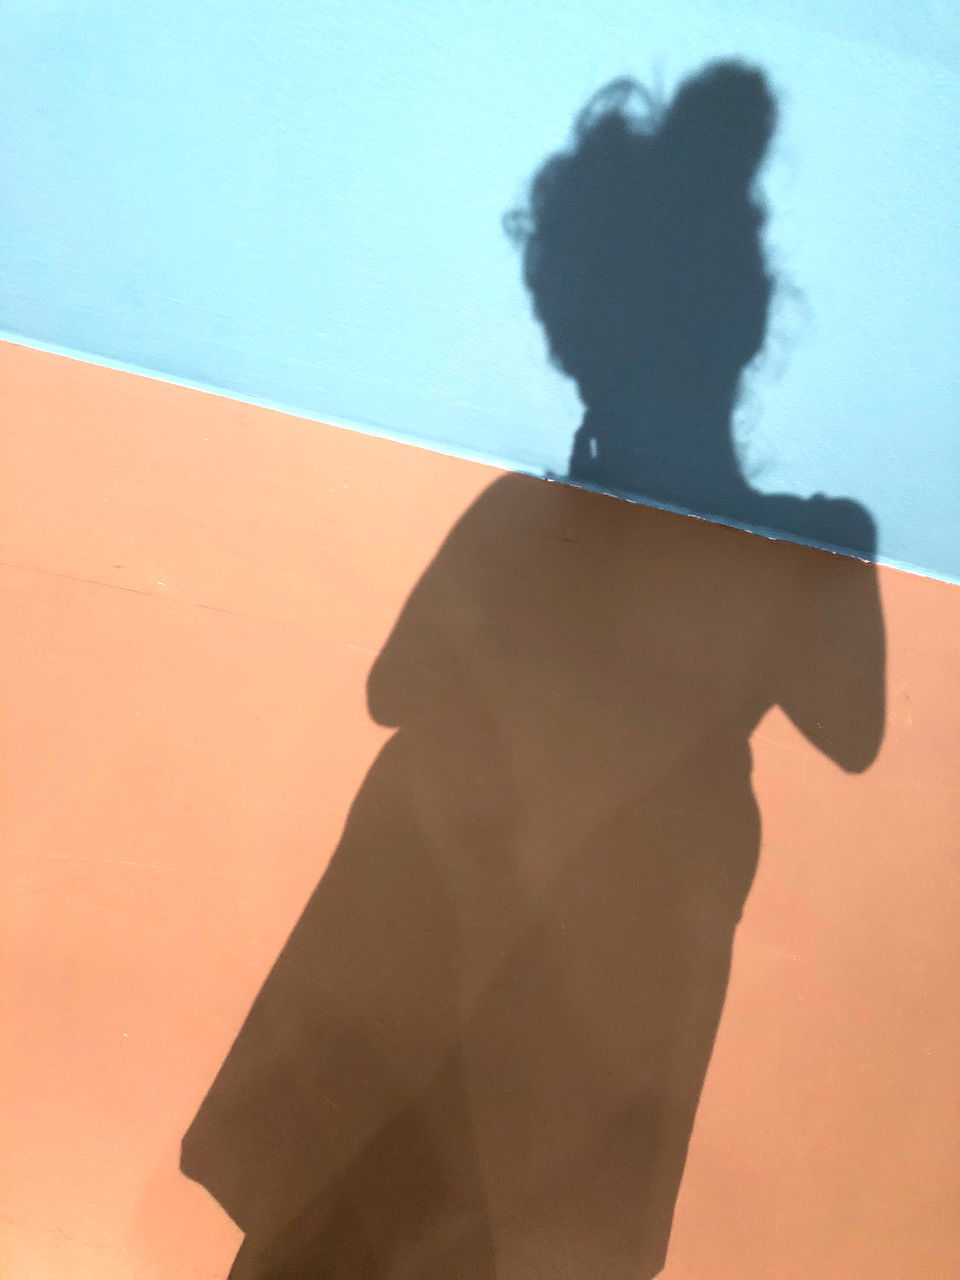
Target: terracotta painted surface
193, 593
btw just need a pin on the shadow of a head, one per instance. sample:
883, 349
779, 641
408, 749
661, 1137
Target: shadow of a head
643, 252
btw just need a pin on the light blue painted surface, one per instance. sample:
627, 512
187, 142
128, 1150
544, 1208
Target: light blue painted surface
301, 204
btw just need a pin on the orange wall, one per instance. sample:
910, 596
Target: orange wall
193, 593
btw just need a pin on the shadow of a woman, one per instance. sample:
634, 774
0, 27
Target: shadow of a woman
481, 1051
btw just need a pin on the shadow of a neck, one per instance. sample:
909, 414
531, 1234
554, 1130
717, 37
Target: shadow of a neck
668, 443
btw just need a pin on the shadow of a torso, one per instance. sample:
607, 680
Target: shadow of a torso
481, 1051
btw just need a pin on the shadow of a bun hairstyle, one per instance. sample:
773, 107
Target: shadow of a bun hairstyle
642, 243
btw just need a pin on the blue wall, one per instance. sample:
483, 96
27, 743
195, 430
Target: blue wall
302, 204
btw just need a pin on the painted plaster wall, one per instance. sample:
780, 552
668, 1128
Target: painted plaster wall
302, 206
193, 591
